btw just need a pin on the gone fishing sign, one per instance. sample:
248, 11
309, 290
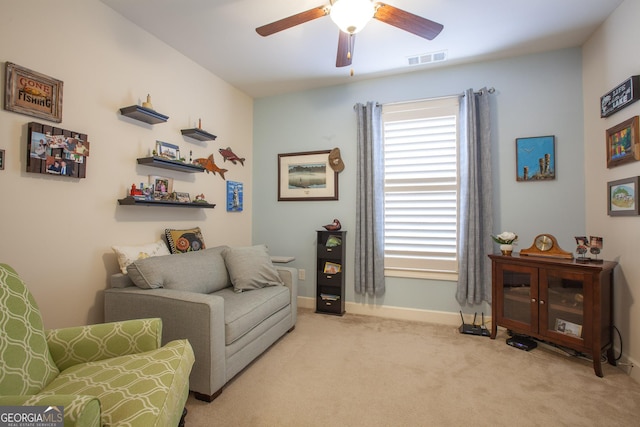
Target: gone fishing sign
34, 94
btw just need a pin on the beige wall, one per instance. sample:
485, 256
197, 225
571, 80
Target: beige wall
58, 232
609, 58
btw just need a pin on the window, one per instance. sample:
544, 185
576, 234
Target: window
421, 188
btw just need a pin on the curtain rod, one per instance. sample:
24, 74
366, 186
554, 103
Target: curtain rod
490, 90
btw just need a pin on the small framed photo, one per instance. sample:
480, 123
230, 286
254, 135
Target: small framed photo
183, 197
622, 143
168, 151
332, 268
161, 185
31, 93
622, 197
568, 328
1, 159
535, 158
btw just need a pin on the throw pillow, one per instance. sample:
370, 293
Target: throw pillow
128, 254
198, 271
250, 268
181, 241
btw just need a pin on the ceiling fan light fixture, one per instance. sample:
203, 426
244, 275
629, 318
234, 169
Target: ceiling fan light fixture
352, 15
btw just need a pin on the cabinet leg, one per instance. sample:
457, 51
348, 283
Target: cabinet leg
597, 365
494, 329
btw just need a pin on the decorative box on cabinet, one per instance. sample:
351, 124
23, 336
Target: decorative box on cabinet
330, 272
556, 300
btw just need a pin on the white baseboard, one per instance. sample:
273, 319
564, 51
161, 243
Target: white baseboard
398, 313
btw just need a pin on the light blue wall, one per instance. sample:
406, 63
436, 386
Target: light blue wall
535, 95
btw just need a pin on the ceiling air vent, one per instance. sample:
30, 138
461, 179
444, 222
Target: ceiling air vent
427, 58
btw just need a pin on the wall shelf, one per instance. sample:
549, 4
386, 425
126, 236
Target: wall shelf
131, 201
160, 162
143, 114
199, 134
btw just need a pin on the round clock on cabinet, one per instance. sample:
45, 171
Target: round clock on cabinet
546, 245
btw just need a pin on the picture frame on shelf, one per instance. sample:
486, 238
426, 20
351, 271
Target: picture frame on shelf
161, 185
183, 197
167, 150
535, 158
622, 199
32, 93
623, 145
306, 176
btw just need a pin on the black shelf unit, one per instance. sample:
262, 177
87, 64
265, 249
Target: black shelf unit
143, 114
198, 134
330, 262
131, 201
161, 162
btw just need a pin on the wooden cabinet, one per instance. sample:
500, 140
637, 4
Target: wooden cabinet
556, 300
330, 272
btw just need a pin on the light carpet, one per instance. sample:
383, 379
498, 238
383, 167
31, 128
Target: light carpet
366, 371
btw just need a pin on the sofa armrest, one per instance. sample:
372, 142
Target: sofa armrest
289, 276
70, 346
79, 410
185, 315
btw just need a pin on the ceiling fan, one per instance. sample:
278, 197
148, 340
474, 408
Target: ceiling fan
351, 16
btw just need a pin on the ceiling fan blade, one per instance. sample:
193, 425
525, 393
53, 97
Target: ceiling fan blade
408, 21
292, 21
346, 42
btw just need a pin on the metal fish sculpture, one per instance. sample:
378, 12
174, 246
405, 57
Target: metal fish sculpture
210, 166
227, 154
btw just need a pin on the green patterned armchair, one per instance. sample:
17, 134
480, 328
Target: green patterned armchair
112, 374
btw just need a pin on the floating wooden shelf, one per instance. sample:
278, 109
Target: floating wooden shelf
130, 201
160, 162
199, 134
143, 114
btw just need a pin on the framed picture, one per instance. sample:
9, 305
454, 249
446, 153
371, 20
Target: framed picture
622, 143
161, 185
535, 158
622, 197
168, 151
183, 197
306, 176
31, 93
235, 196
55, 151
1, 159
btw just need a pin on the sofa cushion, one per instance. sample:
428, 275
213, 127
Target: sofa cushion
128, 254
244, 311
250, 268
201, 271
181, 241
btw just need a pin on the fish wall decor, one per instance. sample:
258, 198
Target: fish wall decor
210, 166
227, 154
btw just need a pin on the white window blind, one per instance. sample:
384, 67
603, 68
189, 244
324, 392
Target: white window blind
421, 186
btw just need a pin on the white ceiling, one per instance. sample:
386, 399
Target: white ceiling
220, 35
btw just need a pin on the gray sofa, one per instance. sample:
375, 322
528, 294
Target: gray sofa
230, 303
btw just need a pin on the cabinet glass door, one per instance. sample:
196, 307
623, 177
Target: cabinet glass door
518, 286
562, 303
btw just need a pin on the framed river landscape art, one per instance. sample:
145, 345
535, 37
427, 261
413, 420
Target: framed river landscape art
306, 176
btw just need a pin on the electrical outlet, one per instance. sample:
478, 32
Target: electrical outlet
302, 274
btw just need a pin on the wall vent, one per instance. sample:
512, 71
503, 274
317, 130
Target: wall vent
427, 58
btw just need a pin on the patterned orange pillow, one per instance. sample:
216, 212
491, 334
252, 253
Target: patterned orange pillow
181, 241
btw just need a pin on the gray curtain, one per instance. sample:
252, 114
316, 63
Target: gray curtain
476, 198
369, 250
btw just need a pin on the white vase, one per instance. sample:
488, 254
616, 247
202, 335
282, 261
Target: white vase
506, 249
